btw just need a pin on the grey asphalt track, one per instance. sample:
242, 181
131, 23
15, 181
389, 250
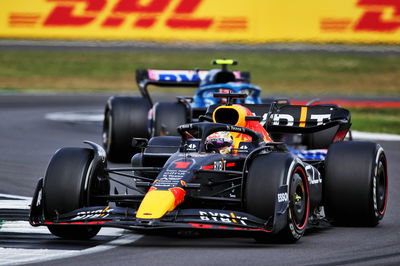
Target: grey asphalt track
34, 44
27, 142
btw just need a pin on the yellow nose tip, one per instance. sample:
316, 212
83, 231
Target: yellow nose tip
156, 204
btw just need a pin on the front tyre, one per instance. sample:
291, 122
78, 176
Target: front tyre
268, 174
70, 181
356, 183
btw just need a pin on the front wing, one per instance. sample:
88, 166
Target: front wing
195, 219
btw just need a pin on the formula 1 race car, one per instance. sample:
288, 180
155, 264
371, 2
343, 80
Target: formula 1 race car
126, 117
186, 183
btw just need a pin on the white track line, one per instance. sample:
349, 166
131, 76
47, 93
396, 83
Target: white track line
375, 136
75, 116
16, 256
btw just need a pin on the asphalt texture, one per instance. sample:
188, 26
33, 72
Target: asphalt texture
62, 45
28, 141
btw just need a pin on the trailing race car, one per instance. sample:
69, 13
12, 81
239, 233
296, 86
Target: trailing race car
126, 117
225, 175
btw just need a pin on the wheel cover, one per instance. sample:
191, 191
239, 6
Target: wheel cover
381, 187
299, 204
299, 200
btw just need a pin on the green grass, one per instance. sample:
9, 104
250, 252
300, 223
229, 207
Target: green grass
276, 73
280, 74
376, 120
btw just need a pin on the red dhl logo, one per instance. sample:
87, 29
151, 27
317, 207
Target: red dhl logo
66, 13
379, 16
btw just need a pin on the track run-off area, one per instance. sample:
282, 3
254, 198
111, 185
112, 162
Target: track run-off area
34, 126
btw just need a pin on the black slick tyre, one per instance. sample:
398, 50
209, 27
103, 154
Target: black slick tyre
355, 183
71, 178
125, 118
166, 117
266, 174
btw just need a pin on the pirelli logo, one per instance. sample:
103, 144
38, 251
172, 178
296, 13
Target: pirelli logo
140, 14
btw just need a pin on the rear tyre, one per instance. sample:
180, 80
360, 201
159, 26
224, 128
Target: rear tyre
125, 118
261, 193
356, 183
71, 178
166, 117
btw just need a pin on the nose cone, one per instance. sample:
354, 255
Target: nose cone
157, 203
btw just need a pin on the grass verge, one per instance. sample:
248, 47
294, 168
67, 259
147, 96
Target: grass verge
290, 74
276, 73
382, 120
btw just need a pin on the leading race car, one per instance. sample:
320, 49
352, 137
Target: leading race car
126, 117
225, 175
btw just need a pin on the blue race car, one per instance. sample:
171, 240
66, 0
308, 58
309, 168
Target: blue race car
127, 117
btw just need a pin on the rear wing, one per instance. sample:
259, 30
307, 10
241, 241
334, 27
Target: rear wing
300, 119
328, 123
306, 119
175, 78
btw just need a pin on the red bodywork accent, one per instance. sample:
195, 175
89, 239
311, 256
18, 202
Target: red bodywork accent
207, 167
179, 194
79, 223
182, 165
340, 135
201, 225
209, 226
253, 125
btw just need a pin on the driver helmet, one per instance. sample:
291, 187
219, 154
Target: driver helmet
221, 142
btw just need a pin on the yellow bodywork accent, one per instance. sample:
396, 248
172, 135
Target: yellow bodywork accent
303, 116
233, 217
241, 114
155, 204
224, 62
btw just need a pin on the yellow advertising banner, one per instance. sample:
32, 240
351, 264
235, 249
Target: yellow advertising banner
251, 21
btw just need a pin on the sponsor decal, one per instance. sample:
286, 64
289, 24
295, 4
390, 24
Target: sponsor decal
229, 218
220, 165
282, 197
139, 14
170, 178
173, 176
235, 129
182, 165
204, 20
289, 120
380, 16
96, 214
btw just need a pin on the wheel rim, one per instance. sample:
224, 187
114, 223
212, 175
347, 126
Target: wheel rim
299, 200
381, 187
299, 204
